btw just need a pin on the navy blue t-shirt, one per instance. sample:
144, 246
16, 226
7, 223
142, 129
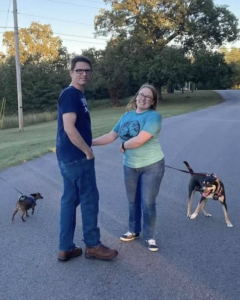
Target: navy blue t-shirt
72, 100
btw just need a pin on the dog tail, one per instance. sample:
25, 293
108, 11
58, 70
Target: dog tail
189, 168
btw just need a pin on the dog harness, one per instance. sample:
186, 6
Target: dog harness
31, 200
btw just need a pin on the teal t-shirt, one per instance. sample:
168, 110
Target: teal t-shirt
129, 126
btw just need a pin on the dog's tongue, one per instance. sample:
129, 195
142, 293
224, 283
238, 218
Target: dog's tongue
204, 194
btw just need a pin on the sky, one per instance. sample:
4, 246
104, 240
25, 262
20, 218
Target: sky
71, 20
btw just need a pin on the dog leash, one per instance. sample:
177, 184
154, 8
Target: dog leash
180, 170
184, 171
10, 185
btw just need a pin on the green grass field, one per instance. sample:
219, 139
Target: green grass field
36, 140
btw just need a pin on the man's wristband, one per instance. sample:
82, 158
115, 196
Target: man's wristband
123, 146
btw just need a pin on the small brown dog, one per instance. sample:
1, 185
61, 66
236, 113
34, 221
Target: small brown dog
25, 203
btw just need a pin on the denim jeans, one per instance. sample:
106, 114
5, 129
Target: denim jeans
79, 183
142, 187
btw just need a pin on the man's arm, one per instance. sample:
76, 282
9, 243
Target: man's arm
69, 120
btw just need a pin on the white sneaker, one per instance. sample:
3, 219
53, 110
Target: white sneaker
152, 245
129, 236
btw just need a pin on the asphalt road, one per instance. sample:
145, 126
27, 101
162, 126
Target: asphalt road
198, 259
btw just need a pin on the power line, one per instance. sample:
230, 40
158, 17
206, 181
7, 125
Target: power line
74, 3
66, 34
70, 3
8, 13
82, 41
66, 21
85, 37
73, 35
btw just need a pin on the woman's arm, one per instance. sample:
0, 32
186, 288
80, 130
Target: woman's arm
105, 139
138, 140
151, 127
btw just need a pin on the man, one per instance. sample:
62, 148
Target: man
76, 163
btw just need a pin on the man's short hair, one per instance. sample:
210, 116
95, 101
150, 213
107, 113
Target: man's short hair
80, 58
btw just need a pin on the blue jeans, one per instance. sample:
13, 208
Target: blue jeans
142, 187
79, 183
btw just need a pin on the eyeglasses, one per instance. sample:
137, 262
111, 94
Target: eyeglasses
141, 96
81, 71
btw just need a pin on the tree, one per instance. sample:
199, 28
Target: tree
195, 23
236, 75
210, 71
97, 88
232, 57
114, 70
2, 57
41, 85
8, 84
35, 43
159, 66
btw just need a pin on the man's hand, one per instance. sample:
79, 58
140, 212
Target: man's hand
90, 155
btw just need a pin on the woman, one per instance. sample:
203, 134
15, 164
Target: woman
143, 161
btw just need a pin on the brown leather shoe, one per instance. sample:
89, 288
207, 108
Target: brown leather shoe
66, 255
100, 252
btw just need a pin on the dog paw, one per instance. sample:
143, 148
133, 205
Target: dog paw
193, 216
208, 215
189, 215
229, 225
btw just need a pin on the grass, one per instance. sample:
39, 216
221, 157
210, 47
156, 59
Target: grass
36, 140
30, 119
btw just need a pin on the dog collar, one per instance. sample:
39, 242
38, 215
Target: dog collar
217, 195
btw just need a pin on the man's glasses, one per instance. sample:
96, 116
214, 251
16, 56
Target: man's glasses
141, 96
81, 71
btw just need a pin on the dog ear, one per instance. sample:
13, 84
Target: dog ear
34, 195
213, 175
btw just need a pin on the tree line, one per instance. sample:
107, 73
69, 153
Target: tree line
164, 42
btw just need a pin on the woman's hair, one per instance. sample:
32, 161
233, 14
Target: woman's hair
133, 103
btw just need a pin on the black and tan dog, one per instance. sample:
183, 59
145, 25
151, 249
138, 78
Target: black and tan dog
25, 203
210, 187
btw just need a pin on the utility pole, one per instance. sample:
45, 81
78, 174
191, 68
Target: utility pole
18, 69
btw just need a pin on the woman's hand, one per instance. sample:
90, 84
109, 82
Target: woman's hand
121, 149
